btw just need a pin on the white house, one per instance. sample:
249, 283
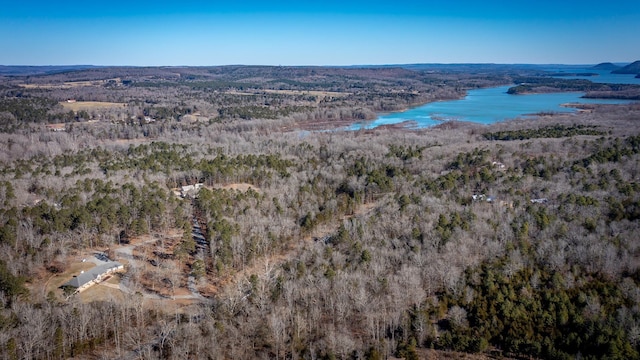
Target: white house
190, 190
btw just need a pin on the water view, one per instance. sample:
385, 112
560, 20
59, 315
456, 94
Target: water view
484, 106
603, 76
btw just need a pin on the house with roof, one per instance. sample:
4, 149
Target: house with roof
540, 201
93, 276
189, 191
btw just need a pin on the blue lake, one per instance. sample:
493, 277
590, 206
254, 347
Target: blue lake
487, 106
484, 106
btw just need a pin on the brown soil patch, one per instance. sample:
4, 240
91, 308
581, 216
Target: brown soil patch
181, 292
149, 238
239, 186
429, 354
207, 290
56, 127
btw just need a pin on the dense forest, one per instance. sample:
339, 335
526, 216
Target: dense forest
299, 240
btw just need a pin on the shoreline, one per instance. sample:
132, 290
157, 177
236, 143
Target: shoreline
348, 124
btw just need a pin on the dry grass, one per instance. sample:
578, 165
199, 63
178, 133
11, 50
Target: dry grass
101, 292
70, 84
91, 105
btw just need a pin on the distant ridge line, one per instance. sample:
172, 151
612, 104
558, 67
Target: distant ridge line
33, 70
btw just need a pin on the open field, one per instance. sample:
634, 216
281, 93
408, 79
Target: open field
107, 290
90, 105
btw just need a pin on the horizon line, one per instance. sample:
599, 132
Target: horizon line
325, 65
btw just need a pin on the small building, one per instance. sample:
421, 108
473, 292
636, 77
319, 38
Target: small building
483, 197
93, 276
540, 201
499, 165
56, 127
190, 190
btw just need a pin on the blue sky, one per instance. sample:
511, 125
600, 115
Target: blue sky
317, 33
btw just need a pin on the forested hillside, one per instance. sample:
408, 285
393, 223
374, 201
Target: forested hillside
514, 240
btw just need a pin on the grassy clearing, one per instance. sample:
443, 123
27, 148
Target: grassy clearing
100, 292
90, 105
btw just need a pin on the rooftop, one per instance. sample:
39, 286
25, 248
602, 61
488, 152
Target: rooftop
92, 274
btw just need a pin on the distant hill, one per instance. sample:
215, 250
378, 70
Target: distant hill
606, 66
21, 70
633, 68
